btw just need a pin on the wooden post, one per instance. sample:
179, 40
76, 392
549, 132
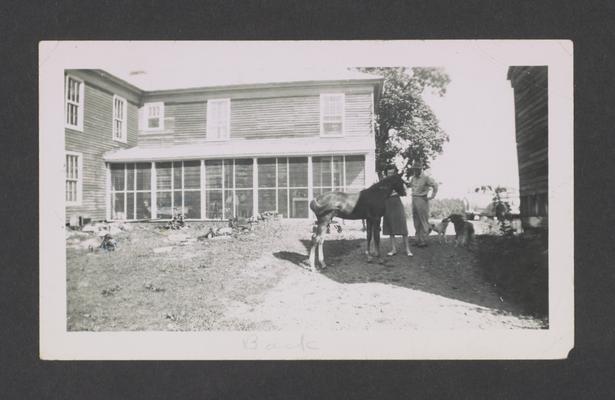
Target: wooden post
107, 191
153, 206
203, 207
254, 187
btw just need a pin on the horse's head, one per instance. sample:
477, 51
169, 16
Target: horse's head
398, 184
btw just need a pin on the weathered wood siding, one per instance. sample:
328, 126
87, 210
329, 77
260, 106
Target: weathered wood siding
260, 118
95, 140
530, 86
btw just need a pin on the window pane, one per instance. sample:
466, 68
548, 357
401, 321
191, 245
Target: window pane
163, 175
214, 204
338, 173
298, 172
118, 206
117, 176
153, 123
177, 175
144, 210
282, 172
283, 202
243, 173
355, 171
144, 176
266, 200
213, 174
228, 204
266, 172
228, 173
130, 206
192, 174
244, 203
321, 167
298, 203
130, 179
163, 203
177, 203
192, 204
332, 128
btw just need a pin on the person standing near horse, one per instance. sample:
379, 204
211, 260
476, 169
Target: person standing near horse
394, 220
420, 184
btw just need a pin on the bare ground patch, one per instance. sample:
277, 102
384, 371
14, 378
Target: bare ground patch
259, 281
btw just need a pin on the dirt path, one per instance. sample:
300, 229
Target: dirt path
260, 281
438, 288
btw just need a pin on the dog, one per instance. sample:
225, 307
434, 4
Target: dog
440, 229
464, 230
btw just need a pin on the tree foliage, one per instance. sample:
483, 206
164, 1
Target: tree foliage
406, 127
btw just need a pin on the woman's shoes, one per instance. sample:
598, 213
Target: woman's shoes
391, 253
409, 254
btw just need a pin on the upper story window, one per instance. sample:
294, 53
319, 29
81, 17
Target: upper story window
332, 114
74, 173
73, 104
120, 121
153, 116
218, 119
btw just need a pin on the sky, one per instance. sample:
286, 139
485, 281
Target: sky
477, 112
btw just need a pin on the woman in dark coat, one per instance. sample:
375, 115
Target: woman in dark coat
394, 220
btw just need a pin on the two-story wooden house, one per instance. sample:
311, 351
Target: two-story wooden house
215, 152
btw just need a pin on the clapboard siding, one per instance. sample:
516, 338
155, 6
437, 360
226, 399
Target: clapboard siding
530, 86
92, 143
259, 118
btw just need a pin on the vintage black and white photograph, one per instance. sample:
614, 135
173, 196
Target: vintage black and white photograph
306, 200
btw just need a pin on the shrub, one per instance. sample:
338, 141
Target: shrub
442, 208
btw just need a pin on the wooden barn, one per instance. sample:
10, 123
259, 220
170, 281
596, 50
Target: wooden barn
218, 152
530, 85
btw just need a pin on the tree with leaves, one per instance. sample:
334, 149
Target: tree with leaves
406, 127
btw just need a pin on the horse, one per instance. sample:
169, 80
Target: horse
367, 205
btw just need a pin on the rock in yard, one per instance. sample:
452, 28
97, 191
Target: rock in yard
225, 231
178, 237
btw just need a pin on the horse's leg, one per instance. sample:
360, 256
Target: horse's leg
313, 247
376, 228
369, 240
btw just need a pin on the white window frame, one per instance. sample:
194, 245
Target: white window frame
124, 120
79, 179
210, 120
341, 96
146, 108
80, 104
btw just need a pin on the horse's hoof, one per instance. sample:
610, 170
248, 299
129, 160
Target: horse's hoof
323, 266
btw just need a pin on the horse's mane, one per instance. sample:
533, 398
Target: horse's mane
385, 183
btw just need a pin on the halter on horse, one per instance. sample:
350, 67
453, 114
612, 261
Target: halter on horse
368, 204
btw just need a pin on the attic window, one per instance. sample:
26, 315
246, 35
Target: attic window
153, 116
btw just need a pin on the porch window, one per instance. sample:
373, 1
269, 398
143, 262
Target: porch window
74, 173
73, 105
332, 114
178, 189
229, 189
338, 173
119, 119
218, 119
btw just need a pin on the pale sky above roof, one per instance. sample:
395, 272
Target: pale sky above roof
163, 77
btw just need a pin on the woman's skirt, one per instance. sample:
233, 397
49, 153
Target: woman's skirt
394, 221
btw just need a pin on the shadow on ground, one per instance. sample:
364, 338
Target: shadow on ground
440, 269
